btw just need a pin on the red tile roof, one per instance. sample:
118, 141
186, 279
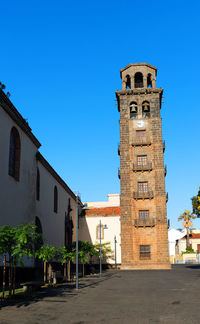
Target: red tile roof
103, 211
192, 236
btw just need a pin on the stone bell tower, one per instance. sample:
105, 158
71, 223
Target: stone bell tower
144, 230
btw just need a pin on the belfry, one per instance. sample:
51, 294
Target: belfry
144, 228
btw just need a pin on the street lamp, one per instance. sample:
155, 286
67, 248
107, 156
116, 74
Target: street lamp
77, 217
77, 200
100, 263
115, 241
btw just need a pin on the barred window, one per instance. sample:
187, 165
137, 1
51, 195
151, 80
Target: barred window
143, 214
142, 160
142, 187
145, 252
140, 135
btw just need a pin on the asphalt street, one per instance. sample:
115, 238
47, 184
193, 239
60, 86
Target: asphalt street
158, 296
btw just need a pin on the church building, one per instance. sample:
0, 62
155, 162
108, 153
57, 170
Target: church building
31, 190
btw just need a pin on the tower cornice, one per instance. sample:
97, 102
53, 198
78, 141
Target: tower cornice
138, 64
139, 91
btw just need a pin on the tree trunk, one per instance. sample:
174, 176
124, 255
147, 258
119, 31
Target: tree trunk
49, 272
12, 278
83, 269
68, 271
14, 275
65, 271
10, 275
45, 271
4, 275
187, 240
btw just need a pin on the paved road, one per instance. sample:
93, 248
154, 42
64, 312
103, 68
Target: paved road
167, 296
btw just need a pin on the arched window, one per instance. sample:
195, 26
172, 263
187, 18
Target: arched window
14, 154
128, 82
133, 110
55, 208
149, 81
68, 229
38, 185
145, 109
138, 80
98, 232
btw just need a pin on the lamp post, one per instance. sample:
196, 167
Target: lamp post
77, 221
77, 199
100, 263
115, 241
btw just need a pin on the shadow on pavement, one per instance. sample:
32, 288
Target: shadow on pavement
48, 294
193, 266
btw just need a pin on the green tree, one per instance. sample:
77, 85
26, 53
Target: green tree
66, 255
187, 216
105, 249
47, 254
85, 251
17, 242
196, 204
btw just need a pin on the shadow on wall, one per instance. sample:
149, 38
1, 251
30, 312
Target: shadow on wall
84, 234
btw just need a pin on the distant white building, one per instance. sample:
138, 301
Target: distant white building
113, 200
108, 212
31, 190
174, 239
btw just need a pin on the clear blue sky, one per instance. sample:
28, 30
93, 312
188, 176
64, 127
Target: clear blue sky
60, 60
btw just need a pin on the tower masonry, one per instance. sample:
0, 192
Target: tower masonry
144, 229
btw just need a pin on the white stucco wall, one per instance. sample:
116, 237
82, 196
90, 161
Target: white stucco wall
17, 199
88, 226
53, 223
173, 236
18, 204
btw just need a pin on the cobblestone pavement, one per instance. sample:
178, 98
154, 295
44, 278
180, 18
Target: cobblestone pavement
158, 296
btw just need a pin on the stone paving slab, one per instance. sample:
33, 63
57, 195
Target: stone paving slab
141, 297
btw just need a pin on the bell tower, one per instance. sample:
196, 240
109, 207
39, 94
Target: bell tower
144, 230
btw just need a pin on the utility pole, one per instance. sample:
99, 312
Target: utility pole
115, 240
77, 200
100, 265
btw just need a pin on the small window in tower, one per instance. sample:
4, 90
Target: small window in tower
145, 252
149, 81
143, 214
142, 160
128, 82
142, 187
145, 109
133, 110
138, 80
140, 135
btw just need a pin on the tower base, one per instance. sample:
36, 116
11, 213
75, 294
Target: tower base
158, 266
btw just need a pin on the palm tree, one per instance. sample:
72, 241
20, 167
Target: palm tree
186, 216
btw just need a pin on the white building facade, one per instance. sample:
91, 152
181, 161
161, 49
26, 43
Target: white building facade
174, 240
108, 213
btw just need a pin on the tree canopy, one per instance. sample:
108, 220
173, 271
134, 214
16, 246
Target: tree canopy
196, 204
